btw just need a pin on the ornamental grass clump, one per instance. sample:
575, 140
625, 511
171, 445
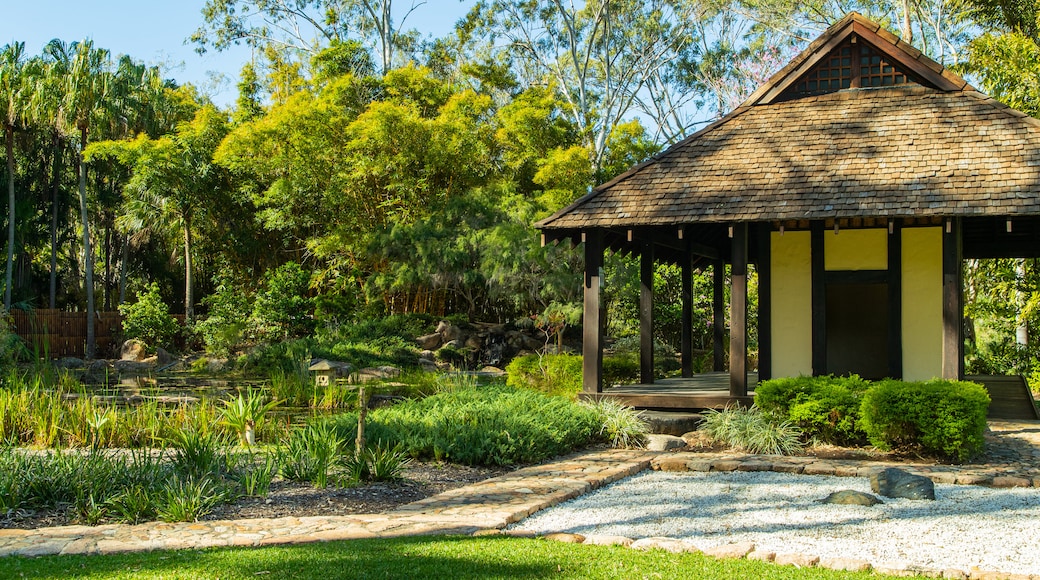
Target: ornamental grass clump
750, 430
623, 427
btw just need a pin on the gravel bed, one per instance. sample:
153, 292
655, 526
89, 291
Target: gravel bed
967, 526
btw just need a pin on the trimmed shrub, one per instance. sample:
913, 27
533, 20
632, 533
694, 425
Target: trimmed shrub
940, 417
552, 374
825, 408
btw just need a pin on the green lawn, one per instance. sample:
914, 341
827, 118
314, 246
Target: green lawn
419, 558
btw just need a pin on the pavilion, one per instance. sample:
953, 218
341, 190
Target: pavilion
856, 180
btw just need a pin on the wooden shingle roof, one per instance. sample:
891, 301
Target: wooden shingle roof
938, 148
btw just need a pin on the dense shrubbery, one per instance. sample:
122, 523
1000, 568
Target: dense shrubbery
149, 319
485, 426
825, 408
552, 374
943, 418
946, 418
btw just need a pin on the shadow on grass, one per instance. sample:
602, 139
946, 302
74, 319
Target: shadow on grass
440, 557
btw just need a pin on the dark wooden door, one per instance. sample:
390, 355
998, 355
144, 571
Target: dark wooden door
857, 332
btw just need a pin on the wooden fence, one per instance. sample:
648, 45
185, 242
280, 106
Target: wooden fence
57, 333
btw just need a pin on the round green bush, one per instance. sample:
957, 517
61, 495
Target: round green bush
939, 417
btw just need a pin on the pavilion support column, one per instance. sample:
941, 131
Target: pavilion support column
593, 318
718, 315
765, 303
953, 301
686, 348
646, 313
738, 313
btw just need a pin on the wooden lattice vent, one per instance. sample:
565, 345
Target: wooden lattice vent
853, 64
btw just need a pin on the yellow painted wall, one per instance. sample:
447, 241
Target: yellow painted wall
791, 317
922, 303
855, 249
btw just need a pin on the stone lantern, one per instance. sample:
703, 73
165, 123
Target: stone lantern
324, 373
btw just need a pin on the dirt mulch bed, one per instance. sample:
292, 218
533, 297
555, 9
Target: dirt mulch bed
286, 498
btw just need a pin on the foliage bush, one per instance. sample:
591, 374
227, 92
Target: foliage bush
826, 409
223, 330
491, 425
751, 430
941, 417
149, 319
282, 308
552, 374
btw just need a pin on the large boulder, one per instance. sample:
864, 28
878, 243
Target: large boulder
133, 350
163, 357
894, 482
430, 341
657, 442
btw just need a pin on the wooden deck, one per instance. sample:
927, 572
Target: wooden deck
699, 392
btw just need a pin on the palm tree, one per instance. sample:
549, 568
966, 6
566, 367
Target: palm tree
12, 104
87, 90
46, 110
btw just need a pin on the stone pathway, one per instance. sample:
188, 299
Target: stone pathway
1013, 459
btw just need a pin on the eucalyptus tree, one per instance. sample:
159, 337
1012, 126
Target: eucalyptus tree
308, 26
599, 55
13, 99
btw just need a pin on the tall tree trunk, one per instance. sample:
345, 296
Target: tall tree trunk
55, 179
189, 281
9, 134
124, 255
1022, 328
108, 264
88, 251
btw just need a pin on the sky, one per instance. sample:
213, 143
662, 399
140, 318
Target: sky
156, 32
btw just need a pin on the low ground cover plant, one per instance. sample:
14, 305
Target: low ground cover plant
490, 425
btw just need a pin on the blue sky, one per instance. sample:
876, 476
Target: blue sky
155, 31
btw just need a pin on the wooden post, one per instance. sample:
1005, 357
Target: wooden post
593, 319
718, 315
765, 303
819, 301
646, 313
738, 313
953, 305
686, 348
895, 301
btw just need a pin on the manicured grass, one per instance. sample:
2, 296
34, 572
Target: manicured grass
430, 557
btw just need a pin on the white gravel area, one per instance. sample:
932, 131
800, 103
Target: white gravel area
967, 526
